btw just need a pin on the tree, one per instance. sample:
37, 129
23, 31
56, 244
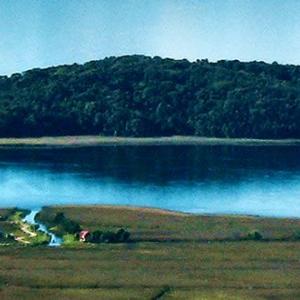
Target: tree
143, 96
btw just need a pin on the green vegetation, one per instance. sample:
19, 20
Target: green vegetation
64, 225
14, 230
239, 271
70, 240
171, 256
154, 225
257, 236
143, 96
98, 236
69, 230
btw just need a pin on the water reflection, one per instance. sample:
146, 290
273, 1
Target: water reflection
251, 180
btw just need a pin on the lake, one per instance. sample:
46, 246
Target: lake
199, 179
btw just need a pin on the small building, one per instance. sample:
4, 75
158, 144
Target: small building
83, 235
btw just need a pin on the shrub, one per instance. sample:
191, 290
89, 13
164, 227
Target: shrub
255, 235
297, 235
67, 225
121, 236
59, 218
96, 237
109, 237
71, 226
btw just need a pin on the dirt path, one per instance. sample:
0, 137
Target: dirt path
26, 229
21, 239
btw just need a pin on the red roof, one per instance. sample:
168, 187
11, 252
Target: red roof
83, 234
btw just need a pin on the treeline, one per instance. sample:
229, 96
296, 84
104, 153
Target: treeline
144, 96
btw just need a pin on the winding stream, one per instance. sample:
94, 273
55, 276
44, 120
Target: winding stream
30, 218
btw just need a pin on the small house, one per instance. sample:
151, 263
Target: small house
83, 235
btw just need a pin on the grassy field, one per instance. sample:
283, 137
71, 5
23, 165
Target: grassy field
148, 224
89, 141
172, 256
243, 270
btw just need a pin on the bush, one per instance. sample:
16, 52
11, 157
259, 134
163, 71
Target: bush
71, 226
297, 235
109, 237
96, 237
121, 236
255, 235
6, 237
67, 225
59, 218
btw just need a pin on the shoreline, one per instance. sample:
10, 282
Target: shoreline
170, 212
96, 141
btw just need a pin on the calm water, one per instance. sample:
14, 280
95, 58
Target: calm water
201, 179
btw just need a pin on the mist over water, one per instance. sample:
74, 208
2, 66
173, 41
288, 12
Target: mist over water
245, 180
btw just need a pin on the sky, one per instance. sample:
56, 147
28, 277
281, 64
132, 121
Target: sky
41, 33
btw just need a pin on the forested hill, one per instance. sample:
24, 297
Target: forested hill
144, 96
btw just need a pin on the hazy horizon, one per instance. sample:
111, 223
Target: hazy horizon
42, 34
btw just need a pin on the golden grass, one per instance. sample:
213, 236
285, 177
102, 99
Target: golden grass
176, 267
243, 270
146, 224
95, 140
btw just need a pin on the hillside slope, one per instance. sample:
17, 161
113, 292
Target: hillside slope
144, 96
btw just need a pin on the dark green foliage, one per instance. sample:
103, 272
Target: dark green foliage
109, 237
67, 226
121, 236
143, 96
95, 237
59, 218
6, 237
71, 226
254, 235
296, 235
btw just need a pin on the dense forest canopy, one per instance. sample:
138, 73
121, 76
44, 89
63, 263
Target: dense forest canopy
143, 96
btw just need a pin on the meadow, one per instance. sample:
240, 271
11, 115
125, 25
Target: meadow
171, 256
156, 225
216, 270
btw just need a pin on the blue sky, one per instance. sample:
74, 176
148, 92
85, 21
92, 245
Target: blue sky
39, 33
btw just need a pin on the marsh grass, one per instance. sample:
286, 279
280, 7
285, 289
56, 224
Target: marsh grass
244, 270
192, 258
97, 140
146, 224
